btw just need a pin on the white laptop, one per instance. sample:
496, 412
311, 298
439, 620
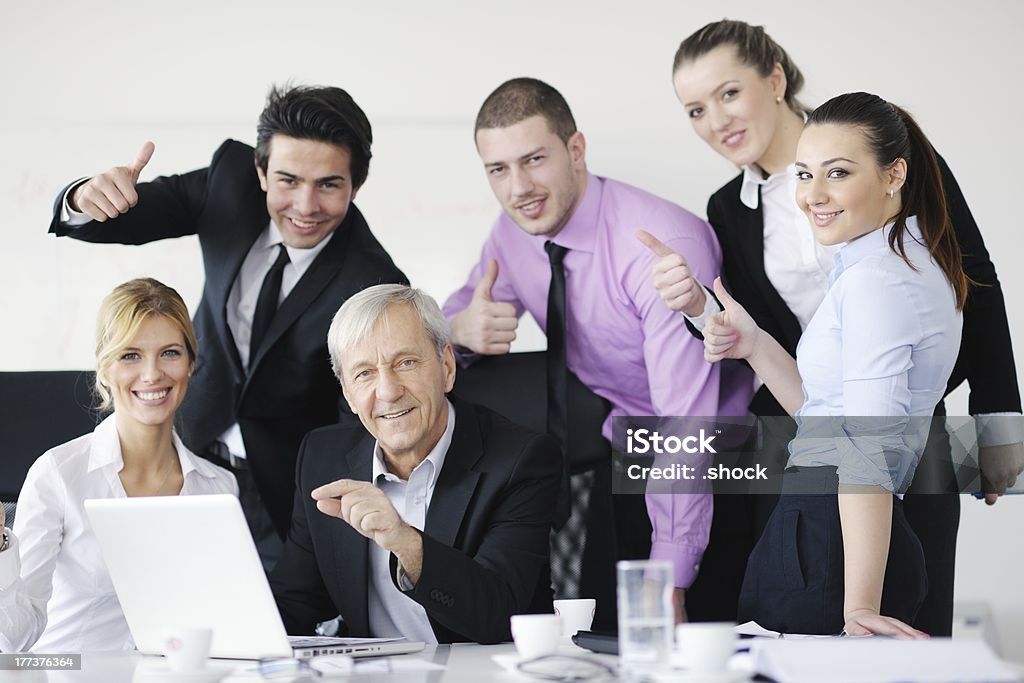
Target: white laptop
190, 561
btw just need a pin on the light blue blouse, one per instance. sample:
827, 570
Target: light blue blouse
878, 352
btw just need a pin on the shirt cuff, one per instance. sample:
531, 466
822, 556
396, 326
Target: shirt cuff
402, 579
10, 562
69, 216
684, 558
999, 429
465, 357
710, 308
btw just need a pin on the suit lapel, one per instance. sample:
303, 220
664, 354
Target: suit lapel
351, 549
458, 480
249, 223
751, 243
317, 277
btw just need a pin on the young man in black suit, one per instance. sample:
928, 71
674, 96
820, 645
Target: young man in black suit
283, 246
430, 521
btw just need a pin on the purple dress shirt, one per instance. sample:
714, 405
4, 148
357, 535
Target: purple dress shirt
623, 342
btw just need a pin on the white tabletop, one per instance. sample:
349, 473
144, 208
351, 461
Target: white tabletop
463, 663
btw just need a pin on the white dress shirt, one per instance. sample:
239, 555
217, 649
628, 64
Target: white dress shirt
55, 592
392, 613
796, 264
879, 350
241, 305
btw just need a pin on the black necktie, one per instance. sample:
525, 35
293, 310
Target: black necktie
568, 542
266, 304
558, 369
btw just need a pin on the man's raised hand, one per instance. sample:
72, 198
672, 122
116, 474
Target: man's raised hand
112, 192
673, 280
486, 326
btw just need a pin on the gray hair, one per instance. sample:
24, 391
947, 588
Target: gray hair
357, 317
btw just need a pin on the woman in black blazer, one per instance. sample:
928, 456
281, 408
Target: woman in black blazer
739, 88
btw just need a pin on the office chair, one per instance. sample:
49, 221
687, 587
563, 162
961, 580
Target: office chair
38, 410
515, 385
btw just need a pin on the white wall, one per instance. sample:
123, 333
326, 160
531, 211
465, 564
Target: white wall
86, 83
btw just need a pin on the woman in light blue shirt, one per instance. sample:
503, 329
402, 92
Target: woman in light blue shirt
877, 353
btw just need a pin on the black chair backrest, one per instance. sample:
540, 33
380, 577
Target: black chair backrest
515, 385
39, 410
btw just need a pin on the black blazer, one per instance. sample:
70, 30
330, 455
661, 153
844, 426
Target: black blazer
485, 546
289, 387
986, 355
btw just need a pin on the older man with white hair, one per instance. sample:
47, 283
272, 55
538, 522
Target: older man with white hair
431, 521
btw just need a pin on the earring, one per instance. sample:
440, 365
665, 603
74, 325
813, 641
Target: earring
890, 194
778, 99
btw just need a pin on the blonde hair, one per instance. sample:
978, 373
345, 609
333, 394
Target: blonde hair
123, 312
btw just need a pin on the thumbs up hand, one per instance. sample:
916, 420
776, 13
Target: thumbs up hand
112, 192
731, 333
673, 279
486, 326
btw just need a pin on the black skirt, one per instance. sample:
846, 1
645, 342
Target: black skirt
794, 581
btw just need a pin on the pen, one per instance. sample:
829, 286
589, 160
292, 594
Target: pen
1009, 492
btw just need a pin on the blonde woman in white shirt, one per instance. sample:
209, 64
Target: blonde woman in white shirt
55, 593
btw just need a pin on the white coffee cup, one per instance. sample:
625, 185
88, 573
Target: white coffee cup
577, 615
186, 648
536, 635
706, 647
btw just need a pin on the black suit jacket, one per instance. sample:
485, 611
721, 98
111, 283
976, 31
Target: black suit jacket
485, 546
986, 355
289, 387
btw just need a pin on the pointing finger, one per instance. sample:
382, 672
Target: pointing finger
337, 488
653, 243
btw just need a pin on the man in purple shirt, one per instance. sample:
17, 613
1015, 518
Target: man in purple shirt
621, 340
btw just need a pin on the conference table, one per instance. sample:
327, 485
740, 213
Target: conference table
460, 663
469, 663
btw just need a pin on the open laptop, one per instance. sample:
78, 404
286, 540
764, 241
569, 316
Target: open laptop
191, 561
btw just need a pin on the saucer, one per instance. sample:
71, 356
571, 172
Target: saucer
681, 676
507, 661
160, 673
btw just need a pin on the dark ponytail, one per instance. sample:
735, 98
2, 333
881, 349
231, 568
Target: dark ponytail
892, 134
754, 47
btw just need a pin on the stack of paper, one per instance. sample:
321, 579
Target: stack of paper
877, 659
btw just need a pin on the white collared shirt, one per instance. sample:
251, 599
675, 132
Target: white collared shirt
882, 345
392, 613
241, 305
55, 592
795, 263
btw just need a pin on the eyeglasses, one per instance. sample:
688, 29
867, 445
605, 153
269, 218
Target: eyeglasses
286, 669
565, 668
